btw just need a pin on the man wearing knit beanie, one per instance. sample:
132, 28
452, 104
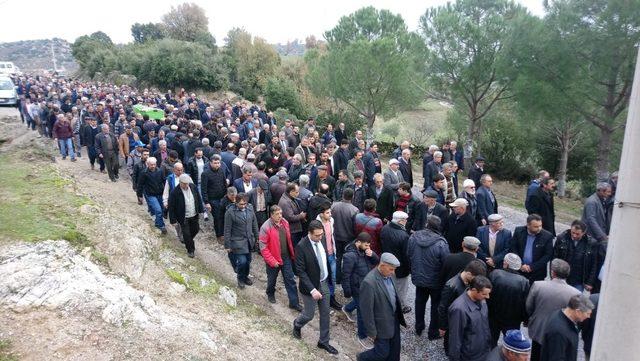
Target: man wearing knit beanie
515, 347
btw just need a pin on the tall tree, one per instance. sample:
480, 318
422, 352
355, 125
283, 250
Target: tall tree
145, 32
188, 22
465, 57
369, 65
598, 39
84, 47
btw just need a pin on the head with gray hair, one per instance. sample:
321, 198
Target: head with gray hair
433, 223
579, 308
437, 154
560, 268
205, 141
303, 180
512, 261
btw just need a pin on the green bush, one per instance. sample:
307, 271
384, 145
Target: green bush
281, 93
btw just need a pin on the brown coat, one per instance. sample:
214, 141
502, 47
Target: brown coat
123, 143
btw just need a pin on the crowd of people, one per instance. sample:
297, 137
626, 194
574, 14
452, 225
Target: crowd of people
318, 206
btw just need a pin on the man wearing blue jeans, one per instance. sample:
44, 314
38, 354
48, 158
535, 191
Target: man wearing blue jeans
63, 134
151, 186
240, 237
357, 261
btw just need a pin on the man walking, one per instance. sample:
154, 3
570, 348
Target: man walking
580, 251
560, 338
151, 185
469, 335
277, 251
541, 203
240, 237
394, 239
594, 213
106, 146
184, 207
534, 246
382, 311
313, 270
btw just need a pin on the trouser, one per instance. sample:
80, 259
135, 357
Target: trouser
295, 238
332, 264
387, 349
76, 144
111, 163
190, 229
402, 285
352, 306
40, 126
218, 217
287, 276
422, 296
310, 309
30, 123
261, 217
66, 148
536, 350
496, 328
241, 263
340, 245
155, 203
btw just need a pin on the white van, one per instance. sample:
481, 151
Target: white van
7, 67
8, 94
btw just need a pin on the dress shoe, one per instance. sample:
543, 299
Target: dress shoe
335, 304
240, 285
271, 298
190, 254
296, 331
248, 282
330, 349
297, 307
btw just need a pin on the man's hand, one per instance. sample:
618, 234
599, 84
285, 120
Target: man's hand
525, 268
484, 222
303, 214
101, 156
490, 262
140, 200
368, 252
588, 288
228, 250
208, 207
442, 332
316, 295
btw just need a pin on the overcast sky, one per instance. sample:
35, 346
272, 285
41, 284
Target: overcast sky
276, 21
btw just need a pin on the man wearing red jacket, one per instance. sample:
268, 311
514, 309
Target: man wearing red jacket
278, 253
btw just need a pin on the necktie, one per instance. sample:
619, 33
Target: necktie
321, 260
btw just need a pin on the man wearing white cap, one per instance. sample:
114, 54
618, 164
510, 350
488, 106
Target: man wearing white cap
394, 239
185, 205
469, 194
458, 225
393, 176
381, 311
507, 305
495, 241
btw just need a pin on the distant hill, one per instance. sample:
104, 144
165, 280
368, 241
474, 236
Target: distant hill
295, 48
35, 55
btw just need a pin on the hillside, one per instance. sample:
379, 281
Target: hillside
35, 55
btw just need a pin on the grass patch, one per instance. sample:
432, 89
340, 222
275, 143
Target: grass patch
36, 203
193, 282
100, 258
5, 351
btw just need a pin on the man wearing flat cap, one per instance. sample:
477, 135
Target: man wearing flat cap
495, 241
185, 205
382, 311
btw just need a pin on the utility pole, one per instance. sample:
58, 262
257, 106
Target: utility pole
617, 326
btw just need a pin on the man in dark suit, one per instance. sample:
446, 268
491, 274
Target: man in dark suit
314, 272
405, 166
495, 241
534, 245
106, 146
383, 196
458, 225
477, 170
428, 206
246, 183
341, 156
541, 203
455, 263
382, 311
487, 203
184, 207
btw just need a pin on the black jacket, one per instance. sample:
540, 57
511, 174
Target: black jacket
542, 251
456, 228
192, 168
507, 305
384, 202
452, 289
475, 174
560, 339
150, 183
541, 203
407, 172
418, 217
214, 184
395, 240
581, 257
426, 250
355, 266
176, 205
316, 203
307, 267
341, 159
138, 168
454, 264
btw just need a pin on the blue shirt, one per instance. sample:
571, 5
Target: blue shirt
392, 291
528, 249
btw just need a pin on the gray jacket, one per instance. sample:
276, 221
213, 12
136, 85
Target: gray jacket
544, 298
344, 214
594, 215
240, 231
378, 315
391, 180
469, 334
